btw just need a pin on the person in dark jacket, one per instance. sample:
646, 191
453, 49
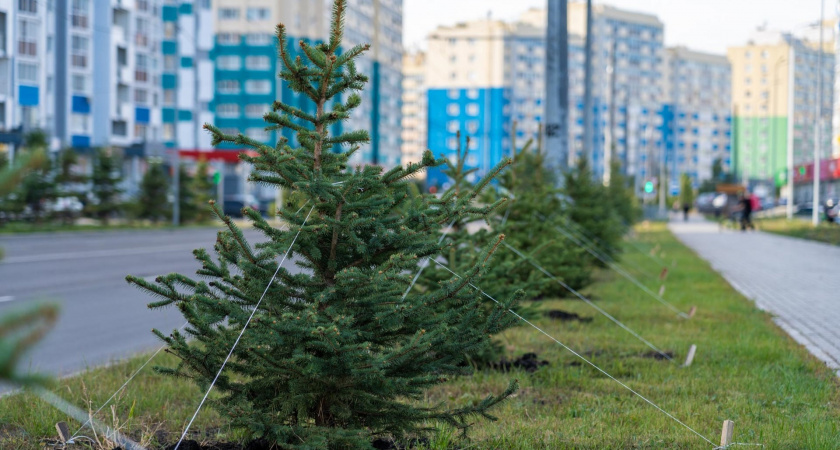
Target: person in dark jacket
745, 205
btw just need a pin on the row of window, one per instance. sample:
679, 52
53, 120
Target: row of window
250, 38
232, 110
251, 87
251, 13
234, 62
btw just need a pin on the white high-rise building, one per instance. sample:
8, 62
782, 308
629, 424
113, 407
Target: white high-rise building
414, 107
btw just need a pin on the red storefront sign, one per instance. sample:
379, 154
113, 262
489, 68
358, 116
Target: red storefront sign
829, 170
228, 156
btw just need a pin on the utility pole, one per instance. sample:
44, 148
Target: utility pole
588, 147
815, 214
790, 129
557, 86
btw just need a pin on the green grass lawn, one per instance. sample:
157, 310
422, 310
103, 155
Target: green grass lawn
746, 370
825, 232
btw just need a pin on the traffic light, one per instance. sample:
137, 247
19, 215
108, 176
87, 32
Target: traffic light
649, 186
217, 177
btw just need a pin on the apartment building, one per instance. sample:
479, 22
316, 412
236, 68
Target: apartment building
246, 66
775, 101
697, 122
25, 68
414, 107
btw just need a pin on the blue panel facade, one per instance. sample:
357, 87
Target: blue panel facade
483, 114
28, 95
79, 141
80, 104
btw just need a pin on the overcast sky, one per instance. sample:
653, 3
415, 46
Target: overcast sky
706, 25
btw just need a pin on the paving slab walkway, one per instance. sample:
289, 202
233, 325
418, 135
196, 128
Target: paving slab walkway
796, 280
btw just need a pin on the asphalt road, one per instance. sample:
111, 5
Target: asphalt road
102, 317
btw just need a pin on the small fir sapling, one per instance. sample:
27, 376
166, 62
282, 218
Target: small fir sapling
334, 355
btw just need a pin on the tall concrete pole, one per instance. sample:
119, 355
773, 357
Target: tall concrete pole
588, 146
790, 116
815, 214
557, 86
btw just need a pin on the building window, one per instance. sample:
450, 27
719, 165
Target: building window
79, 123
258, 39
256, 110
472, 127
453, 109
258, 87
228, 13
79, 14
141, 96
169, 30
170, 63
140, 131
228, 38
258, 14
228, 87
230, 62
141, 37
28, 73
78, 51
30, 6
119, 128
28, 38
227, 110
472, 94
168, 131
256, 133
472, 109
453, 94
142, 5
78, 83
168, 97
257, 63
452, 143
141, 66
452, 126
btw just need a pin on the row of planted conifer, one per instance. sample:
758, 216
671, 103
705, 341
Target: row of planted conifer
340, 344
343, 348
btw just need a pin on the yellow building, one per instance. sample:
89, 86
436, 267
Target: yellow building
774, 101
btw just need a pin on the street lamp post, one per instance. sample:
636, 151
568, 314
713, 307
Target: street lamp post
815, 214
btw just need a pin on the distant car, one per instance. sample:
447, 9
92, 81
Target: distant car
704, 202
234, 204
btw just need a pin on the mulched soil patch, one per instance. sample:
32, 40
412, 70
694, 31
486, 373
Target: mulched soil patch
558, 314
528, 362
657, 355
390, 444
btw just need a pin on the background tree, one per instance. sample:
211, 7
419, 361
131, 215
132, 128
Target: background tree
105, 187
622, 197
152, 203
334, 355
187, 206
591, 208
196, 207
686, 190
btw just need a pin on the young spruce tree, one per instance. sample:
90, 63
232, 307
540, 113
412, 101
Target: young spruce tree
334, 354
152, 203
105, 185
591, 209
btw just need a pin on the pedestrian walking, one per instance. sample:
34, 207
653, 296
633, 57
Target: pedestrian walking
745, 204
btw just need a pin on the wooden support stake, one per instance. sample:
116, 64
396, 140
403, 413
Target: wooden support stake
691, 351
63, 431
663, 274
692, 311
661, 290
726, 433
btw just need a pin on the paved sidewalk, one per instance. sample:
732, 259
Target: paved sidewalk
797, 281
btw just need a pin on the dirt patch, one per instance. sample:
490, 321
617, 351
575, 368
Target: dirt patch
528, 362
558, 314
390, 444
658, 356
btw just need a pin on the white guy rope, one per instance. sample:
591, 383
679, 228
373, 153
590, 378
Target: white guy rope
425, 262
581, 357
136, 372
589, 302
235, 343
625, 274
